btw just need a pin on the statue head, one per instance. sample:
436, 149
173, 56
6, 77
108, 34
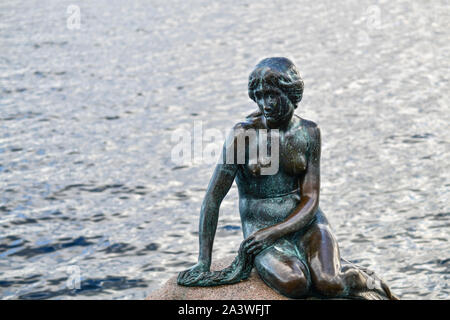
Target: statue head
276, 87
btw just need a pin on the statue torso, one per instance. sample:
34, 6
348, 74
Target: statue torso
268, 199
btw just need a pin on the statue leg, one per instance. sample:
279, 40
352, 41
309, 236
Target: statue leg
323, 257
282, 271
328, 277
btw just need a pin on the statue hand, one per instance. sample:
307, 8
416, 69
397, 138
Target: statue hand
259, 241
193, 274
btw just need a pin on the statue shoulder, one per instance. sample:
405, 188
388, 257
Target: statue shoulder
247, 127
306, 124
250, 122
311, 127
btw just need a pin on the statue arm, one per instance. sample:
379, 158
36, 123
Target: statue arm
219, 185
309, 190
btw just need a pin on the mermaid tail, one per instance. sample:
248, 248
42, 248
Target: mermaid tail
371, 292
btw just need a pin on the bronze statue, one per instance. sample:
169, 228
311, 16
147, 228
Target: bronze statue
287, 237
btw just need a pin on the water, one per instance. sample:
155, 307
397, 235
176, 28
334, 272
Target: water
87, 183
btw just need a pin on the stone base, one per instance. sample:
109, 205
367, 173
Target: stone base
251, 289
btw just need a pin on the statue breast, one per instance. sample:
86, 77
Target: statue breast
292, 156
293, 153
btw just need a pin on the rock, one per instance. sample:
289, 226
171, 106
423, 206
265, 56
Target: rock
251, 289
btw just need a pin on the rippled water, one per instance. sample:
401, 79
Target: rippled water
86, 178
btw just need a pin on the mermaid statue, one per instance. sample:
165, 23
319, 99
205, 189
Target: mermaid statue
287, 237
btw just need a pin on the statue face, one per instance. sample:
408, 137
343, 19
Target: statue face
274, 104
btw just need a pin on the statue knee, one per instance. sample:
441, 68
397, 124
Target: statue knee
329, 286
295, 286
284, 274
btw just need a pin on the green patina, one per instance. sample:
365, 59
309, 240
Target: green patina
287, 237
